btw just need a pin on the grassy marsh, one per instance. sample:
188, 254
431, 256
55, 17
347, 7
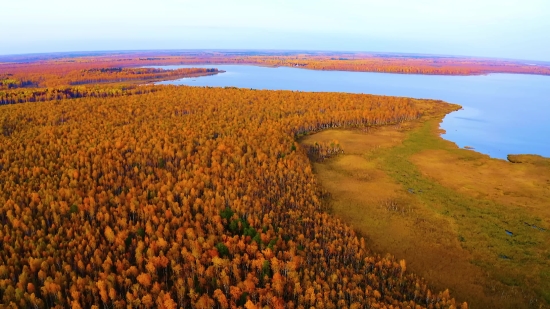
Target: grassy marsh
476, 225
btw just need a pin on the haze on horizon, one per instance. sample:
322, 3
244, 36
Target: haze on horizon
491, 28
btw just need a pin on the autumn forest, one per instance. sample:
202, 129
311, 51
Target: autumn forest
117, 193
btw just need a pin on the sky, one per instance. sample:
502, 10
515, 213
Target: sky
516, 29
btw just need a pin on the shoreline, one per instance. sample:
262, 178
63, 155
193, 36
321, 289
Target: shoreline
335, 70
500, 157
416, 195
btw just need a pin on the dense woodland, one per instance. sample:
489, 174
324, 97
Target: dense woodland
182, 197
70, 73
61, 70
401, 65
13, 96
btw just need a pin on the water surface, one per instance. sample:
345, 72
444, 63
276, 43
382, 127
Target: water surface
502, 113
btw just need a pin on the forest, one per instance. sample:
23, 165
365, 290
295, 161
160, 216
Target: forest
62, 69
142, 196
55, 75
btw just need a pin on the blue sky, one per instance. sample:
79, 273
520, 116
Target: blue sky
490, 28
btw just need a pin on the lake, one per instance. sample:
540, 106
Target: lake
502, 113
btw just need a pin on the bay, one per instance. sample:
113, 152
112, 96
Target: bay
502, 113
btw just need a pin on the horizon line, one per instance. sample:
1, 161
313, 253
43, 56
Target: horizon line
296, 51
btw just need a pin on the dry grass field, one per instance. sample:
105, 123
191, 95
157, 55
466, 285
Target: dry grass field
476, 225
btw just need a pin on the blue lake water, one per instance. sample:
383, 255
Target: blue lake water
502, 113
